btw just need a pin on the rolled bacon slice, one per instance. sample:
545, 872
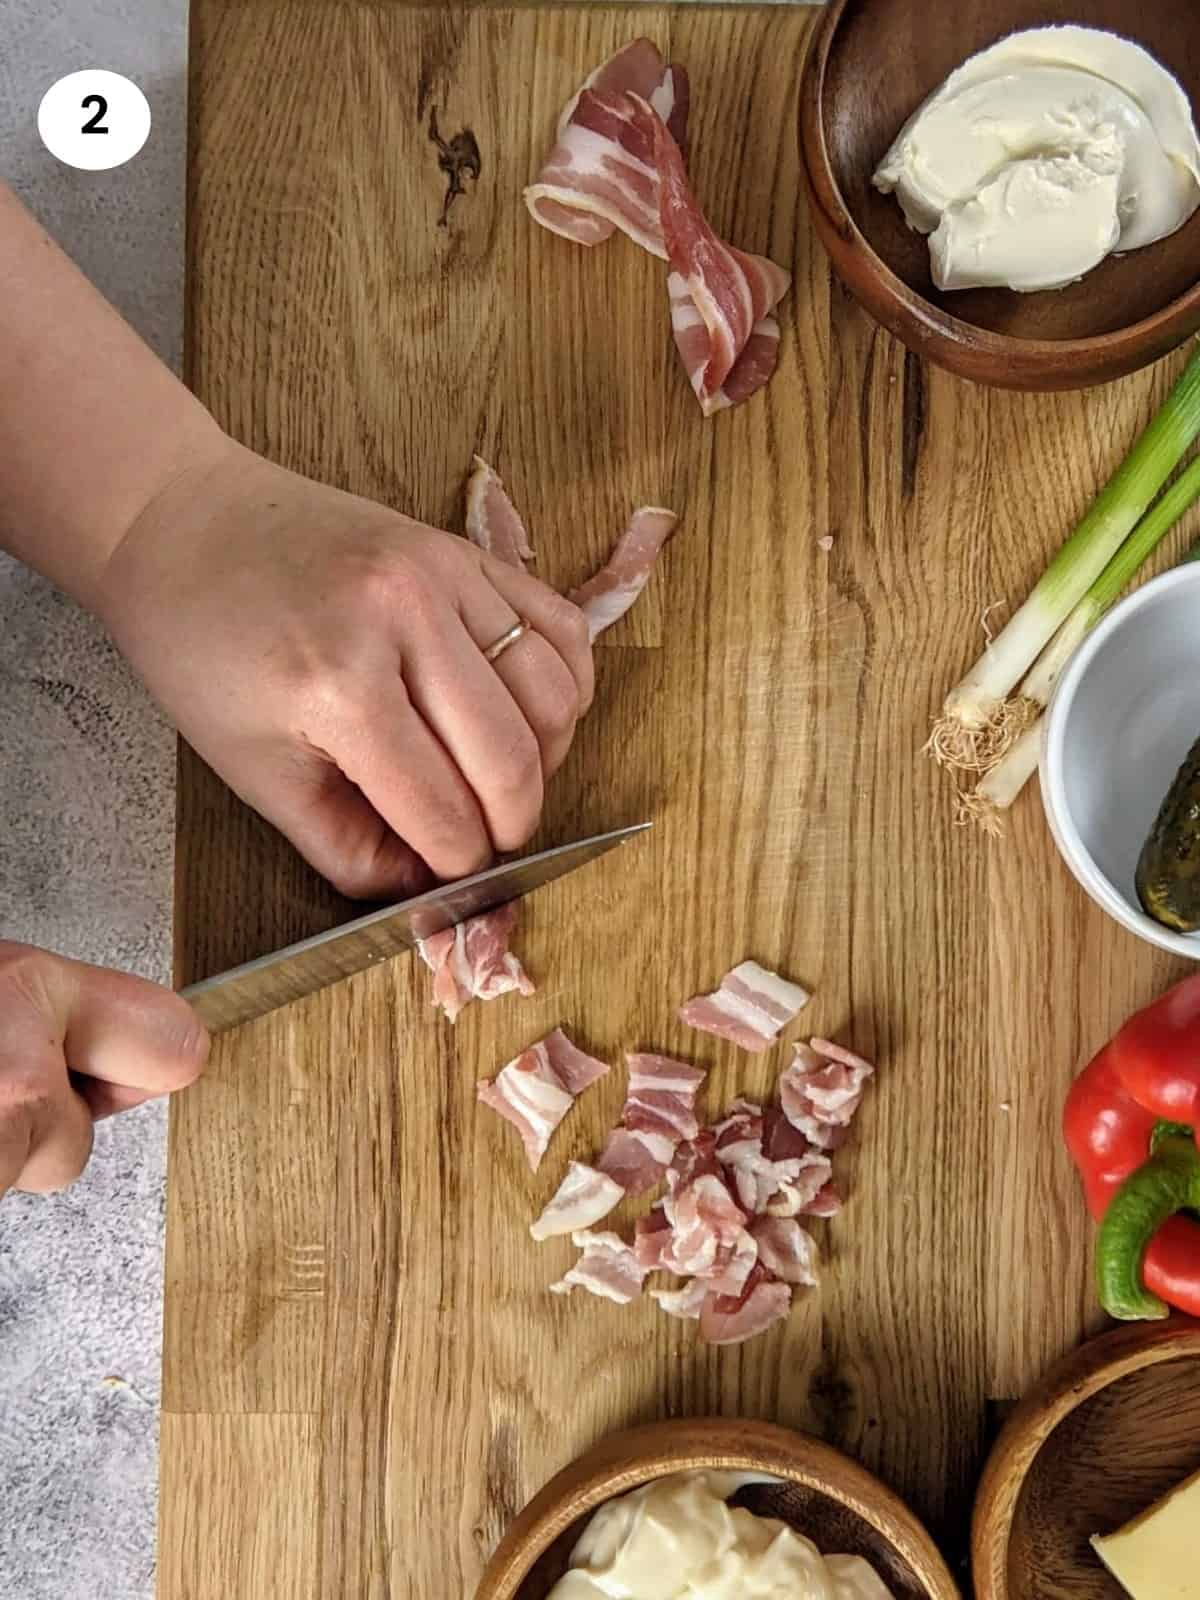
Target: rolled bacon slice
473, 961
733, 293
609, 593
749, 1008
607, 1267
822, 1089
599, 177
752, 370
536, 1089
493, 522
584, 1197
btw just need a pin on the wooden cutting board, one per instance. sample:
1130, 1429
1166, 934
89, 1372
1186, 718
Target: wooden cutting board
364, 1376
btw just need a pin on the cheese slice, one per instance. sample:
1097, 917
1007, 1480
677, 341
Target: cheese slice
1157, 1555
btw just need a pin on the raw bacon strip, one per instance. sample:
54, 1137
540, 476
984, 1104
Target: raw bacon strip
608, 595
636, 1160
822, 1089
493, 522
581, 1199
536, 1090
600, 176
749, 1008
751, 371
788, 1251
726, 1319
733, 293
607, 1267
473, 961
686, 1302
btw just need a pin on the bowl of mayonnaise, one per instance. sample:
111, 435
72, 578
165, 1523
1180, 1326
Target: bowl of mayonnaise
714, 1509
1011, 189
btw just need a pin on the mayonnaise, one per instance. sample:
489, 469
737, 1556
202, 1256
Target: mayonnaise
1043, 154
677, 1539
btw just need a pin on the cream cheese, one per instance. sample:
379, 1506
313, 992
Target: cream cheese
677, 1539
1043, 154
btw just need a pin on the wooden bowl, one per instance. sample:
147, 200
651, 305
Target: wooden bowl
869, 65
823, 1494
1106, 1432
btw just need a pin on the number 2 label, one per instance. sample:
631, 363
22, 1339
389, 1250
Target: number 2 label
94, 120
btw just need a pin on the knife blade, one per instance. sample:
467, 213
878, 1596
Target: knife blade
256, 987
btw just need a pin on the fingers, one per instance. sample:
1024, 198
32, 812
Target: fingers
45, 1129
396, 761
479, 724
63, 1023
532, 670
344, 837
554, 617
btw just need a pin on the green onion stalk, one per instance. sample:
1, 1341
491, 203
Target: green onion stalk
978, 721
1000, 786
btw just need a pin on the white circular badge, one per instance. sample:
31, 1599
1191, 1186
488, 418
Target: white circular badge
94, 119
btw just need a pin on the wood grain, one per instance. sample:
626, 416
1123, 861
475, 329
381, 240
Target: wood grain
1104, 1435
347, 1236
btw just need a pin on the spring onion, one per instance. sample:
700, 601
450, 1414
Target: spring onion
978, 722
1000, 786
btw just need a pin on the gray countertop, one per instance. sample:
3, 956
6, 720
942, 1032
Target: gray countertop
86, 821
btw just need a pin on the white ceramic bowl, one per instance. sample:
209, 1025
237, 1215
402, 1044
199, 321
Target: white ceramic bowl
1125, 713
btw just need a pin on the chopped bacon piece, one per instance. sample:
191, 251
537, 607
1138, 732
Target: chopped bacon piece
609, 593
827, 1202
651, 1236
749, 1007
659, 1111
706, 1219
600, 176
752, 370
536, 1090
788, 1251
662, 1095
781, 1140
731, 1319
822, 1089
607, 1267
733, 292
473, 961
636, 1160
798, 1191
734, 1264
581, 1199
760, 1183
685, 1302
493, 522
693, 1157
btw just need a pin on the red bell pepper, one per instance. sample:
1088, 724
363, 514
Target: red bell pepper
1132, 1125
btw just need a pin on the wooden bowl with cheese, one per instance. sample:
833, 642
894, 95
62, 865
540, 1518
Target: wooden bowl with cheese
1109, 1431
818, 1491
869, 65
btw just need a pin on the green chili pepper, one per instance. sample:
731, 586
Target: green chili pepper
1169, 1182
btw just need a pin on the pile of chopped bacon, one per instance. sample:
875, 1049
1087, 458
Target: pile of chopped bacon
728, 1225
618, 162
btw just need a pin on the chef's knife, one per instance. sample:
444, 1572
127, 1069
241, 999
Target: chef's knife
251, 990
